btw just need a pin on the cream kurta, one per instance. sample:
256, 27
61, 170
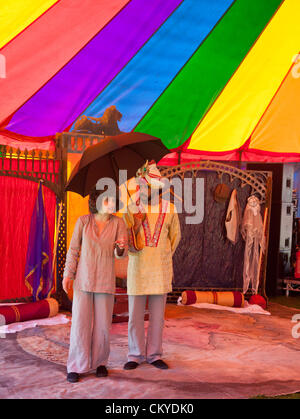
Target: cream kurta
150, 271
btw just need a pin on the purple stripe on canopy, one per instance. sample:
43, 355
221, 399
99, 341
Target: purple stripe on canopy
57, 104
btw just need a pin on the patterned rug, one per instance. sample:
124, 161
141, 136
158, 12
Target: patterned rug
211, 354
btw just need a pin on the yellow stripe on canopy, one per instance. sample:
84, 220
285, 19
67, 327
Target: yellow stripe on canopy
279, 128
16, 15
234, 115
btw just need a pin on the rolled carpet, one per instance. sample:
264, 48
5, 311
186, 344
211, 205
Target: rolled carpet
29, 311
223, 298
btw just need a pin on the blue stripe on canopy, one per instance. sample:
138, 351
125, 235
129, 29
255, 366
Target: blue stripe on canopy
146, 76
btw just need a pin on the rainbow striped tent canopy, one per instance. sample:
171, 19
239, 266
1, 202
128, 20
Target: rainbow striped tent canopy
215, 79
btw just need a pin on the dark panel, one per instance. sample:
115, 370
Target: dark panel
205, 258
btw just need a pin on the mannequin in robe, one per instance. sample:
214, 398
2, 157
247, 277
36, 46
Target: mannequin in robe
252, 233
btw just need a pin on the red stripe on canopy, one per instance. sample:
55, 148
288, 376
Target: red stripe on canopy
46, 46
22, 141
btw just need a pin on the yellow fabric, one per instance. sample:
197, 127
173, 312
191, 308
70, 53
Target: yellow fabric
234, 115
76, 205
16, 15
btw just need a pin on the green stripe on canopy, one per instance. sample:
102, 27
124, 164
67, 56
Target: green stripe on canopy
176, 113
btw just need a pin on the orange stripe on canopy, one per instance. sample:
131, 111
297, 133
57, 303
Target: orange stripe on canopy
279, 128
16, 15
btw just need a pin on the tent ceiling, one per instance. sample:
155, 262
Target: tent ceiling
215, 78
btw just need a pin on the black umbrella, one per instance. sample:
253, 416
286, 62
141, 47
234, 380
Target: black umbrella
127, 151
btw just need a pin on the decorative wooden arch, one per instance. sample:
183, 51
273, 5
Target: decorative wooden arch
258, 181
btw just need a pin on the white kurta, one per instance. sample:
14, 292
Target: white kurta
150, 271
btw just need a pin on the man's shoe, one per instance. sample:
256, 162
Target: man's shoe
101, 371
159, 363
131, 365
73, 377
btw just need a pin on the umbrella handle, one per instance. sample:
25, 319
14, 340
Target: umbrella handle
128, 193
114, 165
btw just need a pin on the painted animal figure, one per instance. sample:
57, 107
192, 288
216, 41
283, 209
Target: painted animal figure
107, 124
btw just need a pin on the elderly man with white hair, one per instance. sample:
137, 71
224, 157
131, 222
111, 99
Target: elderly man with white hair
154, 234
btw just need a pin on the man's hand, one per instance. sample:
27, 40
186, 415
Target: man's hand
138, 220
67, 284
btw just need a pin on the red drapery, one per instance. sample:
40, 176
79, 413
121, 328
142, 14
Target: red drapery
17, 199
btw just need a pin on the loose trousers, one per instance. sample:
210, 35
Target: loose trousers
90, 331
150, 350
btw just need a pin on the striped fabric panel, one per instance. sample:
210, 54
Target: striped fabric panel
45, 47
231, 120
177, 112
57, 104
16, 15
141, 82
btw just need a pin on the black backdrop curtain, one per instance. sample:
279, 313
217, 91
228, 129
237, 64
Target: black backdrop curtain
205, 258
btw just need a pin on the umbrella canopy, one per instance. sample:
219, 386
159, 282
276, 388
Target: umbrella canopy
127, 151
217, 78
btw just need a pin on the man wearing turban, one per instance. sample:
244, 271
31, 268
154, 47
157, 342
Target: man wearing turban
154, 234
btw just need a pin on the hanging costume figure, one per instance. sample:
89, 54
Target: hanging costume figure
97, 239
252, 233
232, 221
154, 233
